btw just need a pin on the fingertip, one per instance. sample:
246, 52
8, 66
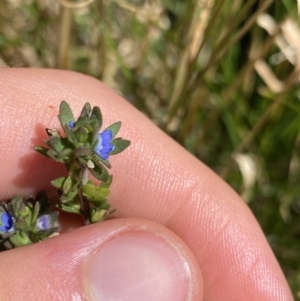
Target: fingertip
125, 259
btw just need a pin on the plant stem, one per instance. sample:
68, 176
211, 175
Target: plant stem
64, 38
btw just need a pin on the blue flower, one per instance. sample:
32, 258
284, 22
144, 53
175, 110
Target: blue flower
7, 222
43, 222
104, 145
71, 124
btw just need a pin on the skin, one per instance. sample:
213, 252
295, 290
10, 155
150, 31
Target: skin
157, 184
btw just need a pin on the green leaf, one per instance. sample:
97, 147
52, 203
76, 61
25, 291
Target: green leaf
86, 110
115, 127
23, 224
53, 155
70, 195
67, 185
15, 203
58, 183
105, 205
56, 143
20, 238
108, 182
81, 134
64, 155
36, 212
100, 173
120, 145
82, 152
100, 161
42, 150
95, 193
72, 208
24, 214
99, 215
96, 112
65, 114
53, 217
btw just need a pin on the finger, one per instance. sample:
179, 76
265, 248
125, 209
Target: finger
105, 261
154, 179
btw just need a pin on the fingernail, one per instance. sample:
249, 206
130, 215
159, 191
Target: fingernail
139, 265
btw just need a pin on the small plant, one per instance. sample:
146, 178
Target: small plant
83, 148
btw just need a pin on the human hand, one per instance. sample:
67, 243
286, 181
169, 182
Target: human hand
180, 232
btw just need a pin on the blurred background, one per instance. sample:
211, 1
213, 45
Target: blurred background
219, 76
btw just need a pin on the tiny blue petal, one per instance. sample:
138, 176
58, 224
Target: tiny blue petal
43, 222
7, 222
104, 145
71, 124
